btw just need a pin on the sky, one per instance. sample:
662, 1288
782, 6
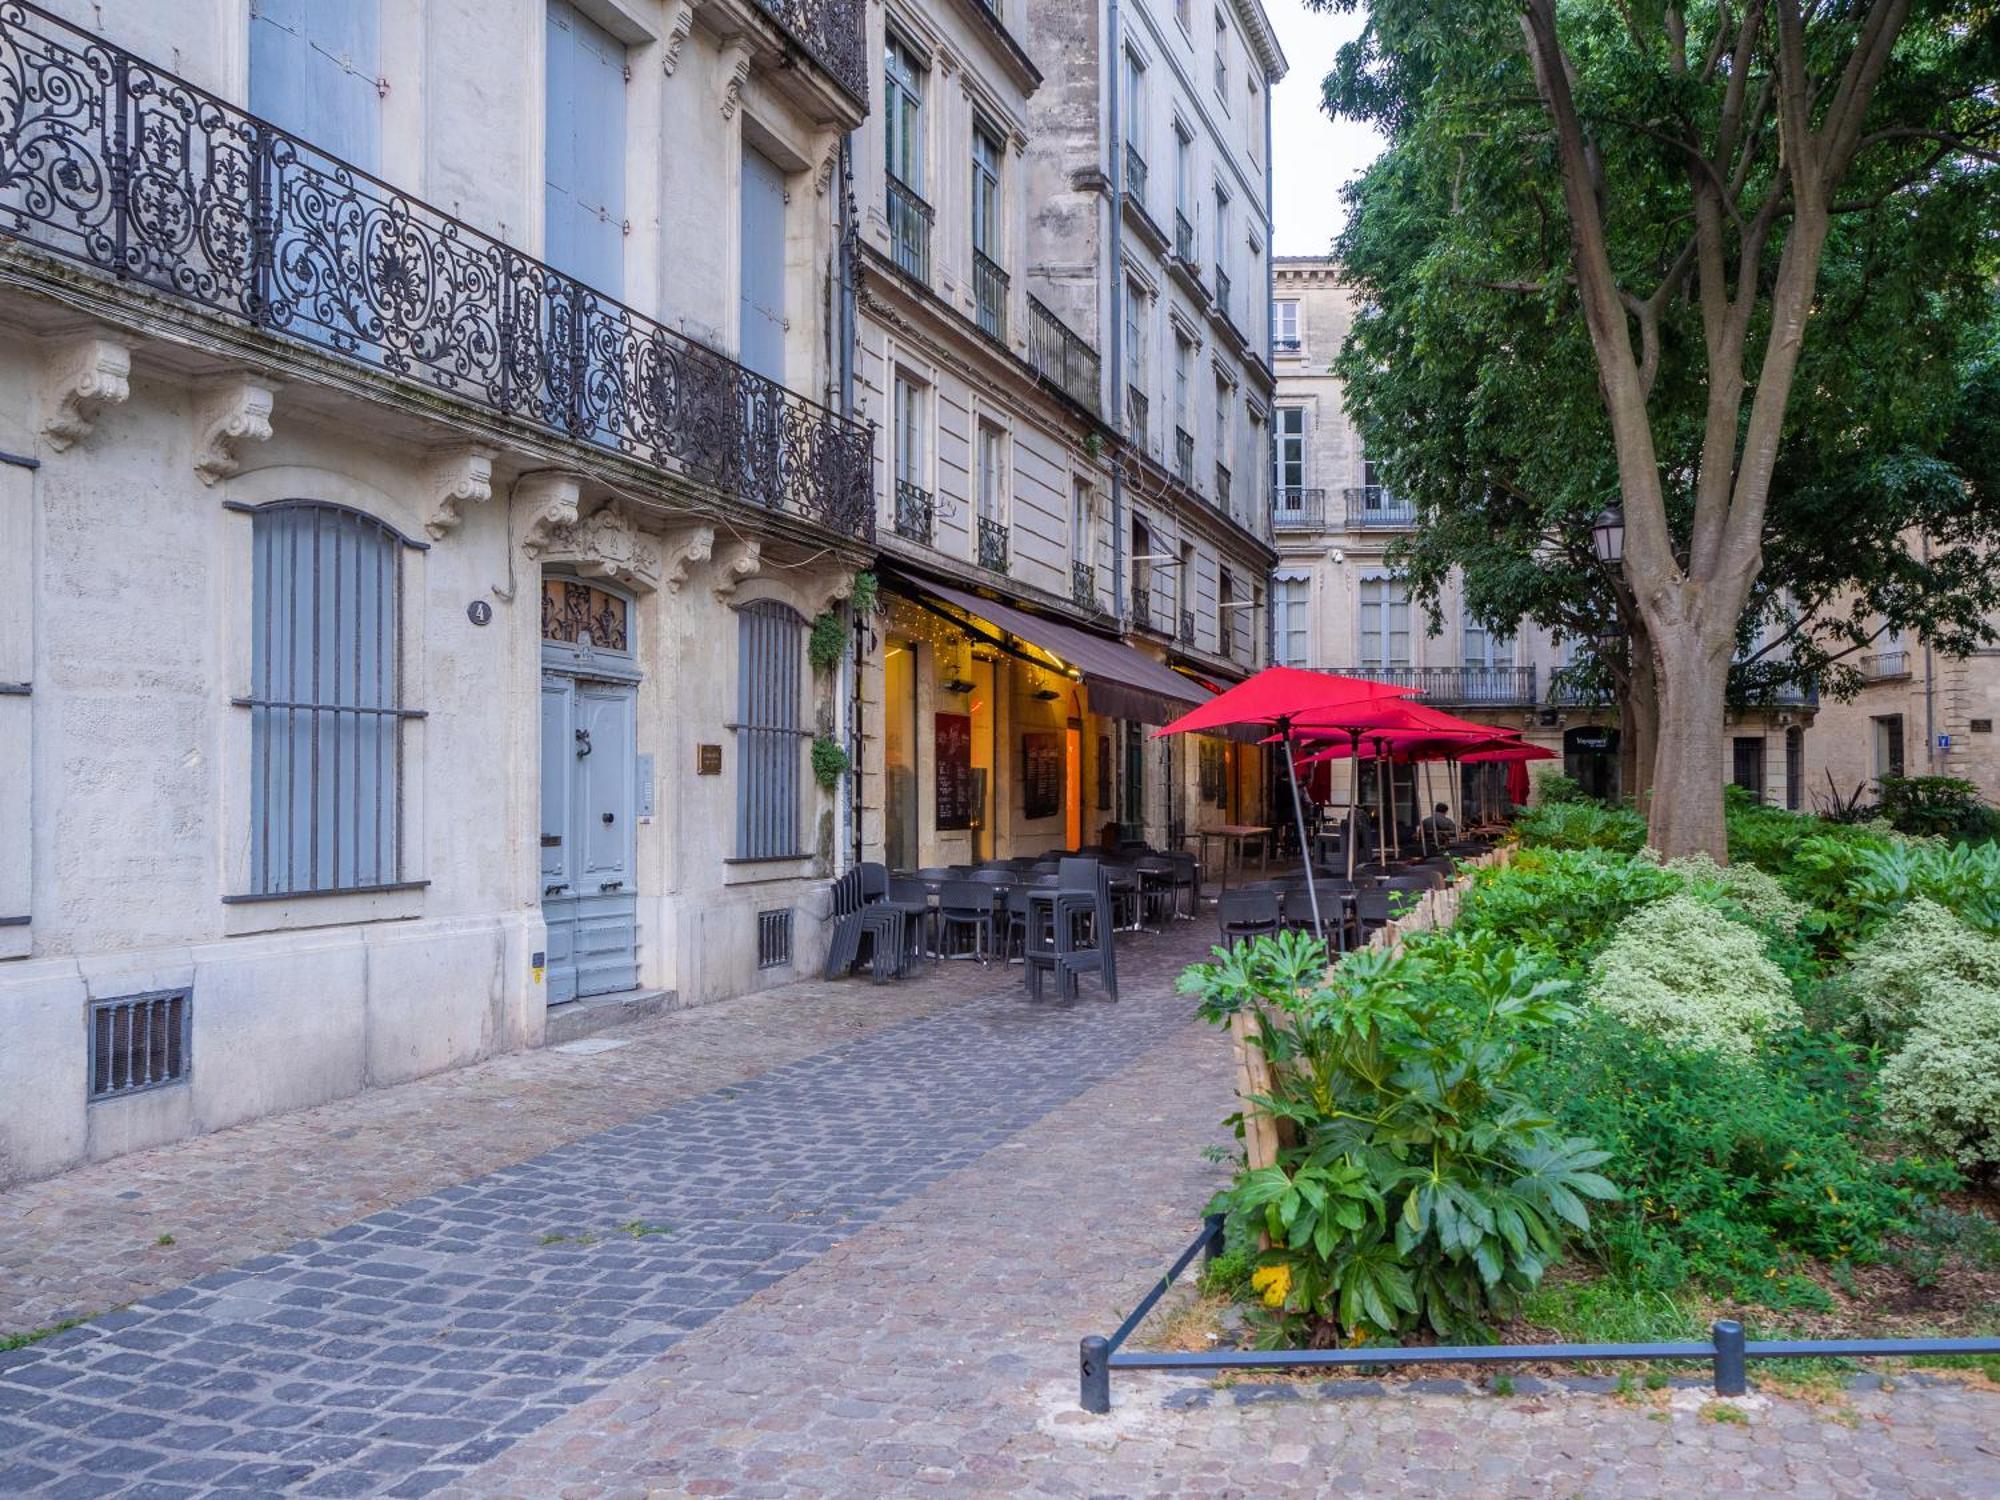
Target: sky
1311, 154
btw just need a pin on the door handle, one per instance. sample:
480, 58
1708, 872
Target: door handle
554, 890
582, 743
612, 885
610, 817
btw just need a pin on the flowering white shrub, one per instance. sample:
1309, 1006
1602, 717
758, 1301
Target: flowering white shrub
1943, 1088
1683, 971
1757, 895
1915, 955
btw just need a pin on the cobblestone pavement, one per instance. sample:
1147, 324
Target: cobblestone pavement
861, 1272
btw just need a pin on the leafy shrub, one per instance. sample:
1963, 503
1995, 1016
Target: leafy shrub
1563, 902
1421, 1184
1938, 806
1732, 1168
1581, 825
1893, 973
1684, 972
1557, 787
1745, 889
1962, 878
1943, 1088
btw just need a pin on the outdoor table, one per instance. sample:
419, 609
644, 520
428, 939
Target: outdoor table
1232, 836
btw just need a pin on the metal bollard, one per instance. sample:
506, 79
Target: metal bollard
1212, 1247
1730, 1376
1094, 1366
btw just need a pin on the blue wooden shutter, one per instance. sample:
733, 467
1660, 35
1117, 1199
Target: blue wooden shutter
763, 266
313, 71
769, 753
584, 232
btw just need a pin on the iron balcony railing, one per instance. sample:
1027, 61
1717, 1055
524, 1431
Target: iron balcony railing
1223, 489
1187, 627
989, 296
1885, 664
116, 164
992, 544
916, 513
1144, 616
1061, 357
909, 230
1222, 289
1184, 456
832, 34
1286, 346
1135, 174
1371, 507
1503, 686
1138, 416
1183, 238
1294, 508
1083, 584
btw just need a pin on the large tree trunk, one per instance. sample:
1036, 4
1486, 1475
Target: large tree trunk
1642, 727
1685, 812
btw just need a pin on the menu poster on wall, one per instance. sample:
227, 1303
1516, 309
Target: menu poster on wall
1041, 775
954, 771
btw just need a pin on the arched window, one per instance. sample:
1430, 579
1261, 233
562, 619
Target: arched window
769, 761
326, 709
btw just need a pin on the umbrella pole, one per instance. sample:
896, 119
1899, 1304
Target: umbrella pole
1426, 842
1381, 816
1305, 849
1353, 796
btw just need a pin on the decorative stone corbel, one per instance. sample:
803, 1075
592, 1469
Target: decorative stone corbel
735, 73
458, 477
828, 165
830, 591
229, 413
606, 545
84, 376
739, 558
696, 544
550, 500
680, 25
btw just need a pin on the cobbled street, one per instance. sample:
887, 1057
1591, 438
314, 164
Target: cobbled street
832, 1240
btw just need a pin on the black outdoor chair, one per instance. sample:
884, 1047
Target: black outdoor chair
1187, 880
1158, 897
1079, 937
1243, 913
967, 906
919, 916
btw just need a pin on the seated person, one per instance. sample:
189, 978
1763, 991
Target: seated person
1439, 826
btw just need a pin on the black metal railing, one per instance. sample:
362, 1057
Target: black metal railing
1138, 416
1083, 584
832, 35
1286, 346
909, 230
916, 513
1509, 686
1144, 616
1061, 357
993, 544
989, 296
1224, 488
1135, 174
1183, 238
1371, 506
116, 164
1187, 627
1222, 289
1184, 456
1884, 664
1727, 1348
1294, 508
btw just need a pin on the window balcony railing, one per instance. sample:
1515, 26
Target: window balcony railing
1145, 616
1287, 346
909, 230
1138, 416
989, 296
1183, 238
916, 513
111, 162
1294, 508
1184, 456
1223, 489
1187, 627
1083, 585
1061, 357
992, 544
1222, 289
1475, 687
1135, 174
1371, 507
832, 35
1884, 665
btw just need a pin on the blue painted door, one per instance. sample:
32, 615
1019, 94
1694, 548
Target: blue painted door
589, 795
584, 148
762, 329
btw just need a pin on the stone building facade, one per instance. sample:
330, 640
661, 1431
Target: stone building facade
433, 482
1918, 713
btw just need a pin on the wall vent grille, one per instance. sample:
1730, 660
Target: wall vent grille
139, 1042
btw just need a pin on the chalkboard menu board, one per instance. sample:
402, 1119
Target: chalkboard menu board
954, 771
1041, 775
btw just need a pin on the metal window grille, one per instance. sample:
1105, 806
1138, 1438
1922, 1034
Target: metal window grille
326, 710
139, 1042
770, 646
774, 938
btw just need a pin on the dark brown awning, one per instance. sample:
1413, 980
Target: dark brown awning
1123, 683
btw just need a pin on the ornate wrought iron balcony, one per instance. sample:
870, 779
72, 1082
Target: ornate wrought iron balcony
1370, 507
909, 230
993, 544
1135, 174
1138, 416
1183, 238
1298, 509
1187, 627
1061, 357
1184, 456
126, 169
989, 296
1504, 687
1083, 584
1222, 289
1144, 616
916, 513
1223, 490
832, 34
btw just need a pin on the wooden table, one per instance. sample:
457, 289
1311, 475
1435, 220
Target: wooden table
1232, 836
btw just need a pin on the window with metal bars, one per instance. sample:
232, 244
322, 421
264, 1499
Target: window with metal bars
139, 1042
769, 735
325, 701
774, 938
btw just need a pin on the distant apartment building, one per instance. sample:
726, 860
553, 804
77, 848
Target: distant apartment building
1918, 713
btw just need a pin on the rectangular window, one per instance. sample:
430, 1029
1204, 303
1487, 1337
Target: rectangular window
1135, 103
1385, 623
909, 418
770, 754
139, 1042
1183, 377
583, 149
326, 712
1225, 430
1184, 191
1083, 524
903, 113
986, 159
761, 267
1487, 648
1222, 59
1287, 316
1888, 744
1288, 456
992, 473
1226, 612
1135, 334
1747, 763
1184, 13
1291, 620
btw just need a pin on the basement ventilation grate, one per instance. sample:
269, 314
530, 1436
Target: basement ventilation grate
139, 1042
774, 938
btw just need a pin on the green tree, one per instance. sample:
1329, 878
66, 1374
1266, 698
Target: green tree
1714, 262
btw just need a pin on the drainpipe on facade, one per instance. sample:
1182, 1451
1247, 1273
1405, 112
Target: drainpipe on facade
1930, 689
847, 704
1115, 74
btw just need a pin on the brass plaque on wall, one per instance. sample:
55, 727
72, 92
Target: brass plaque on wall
708, 760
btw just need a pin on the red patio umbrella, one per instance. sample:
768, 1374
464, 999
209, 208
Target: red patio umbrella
1516, 752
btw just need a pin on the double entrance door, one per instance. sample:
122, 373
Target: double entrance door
589, 791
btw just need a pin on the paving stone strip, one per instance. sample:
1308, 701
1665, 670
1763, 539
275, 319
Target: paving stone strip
391, 1355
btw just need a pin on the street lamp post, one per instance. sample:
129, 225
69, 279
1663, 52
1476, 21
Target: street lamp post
1607, 535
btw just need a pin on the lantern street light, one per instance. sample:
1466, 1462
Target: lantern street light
1607, 535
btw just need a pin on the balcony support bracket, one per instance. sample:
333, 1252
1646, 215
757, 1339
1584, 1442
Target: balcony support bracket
740, 559
695, 544
458, 477
84, 376
229, 413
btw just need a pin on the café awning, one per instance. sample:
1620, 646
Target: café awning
1123, 683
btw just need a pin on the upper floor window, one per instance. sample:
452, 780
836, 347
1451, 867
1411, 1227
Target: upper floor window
1135, 334
1183, 378
1184, 179
1385, 623
325, 701
1288, 444
1224, 430
986, 158
1485, 649
1222, 58
1083, 523
1287, 338
904, 80
1184, 13
583, 149
992, 472
770, 686
1291, 620
908, 416
313, 70
1222, 231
